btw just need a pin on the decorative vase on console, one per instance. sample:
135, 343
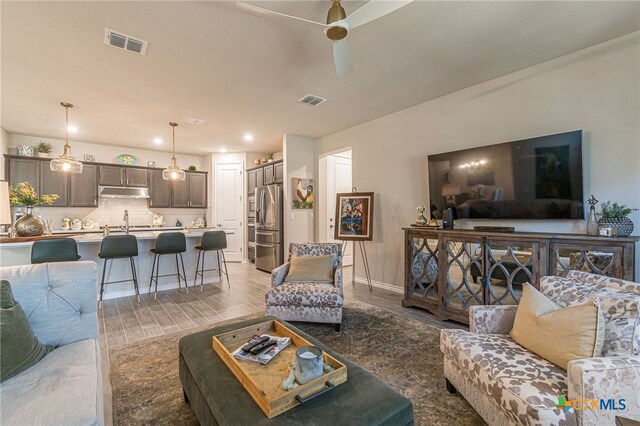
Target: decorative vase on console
421, 219
614, 215
23, 194
592, 223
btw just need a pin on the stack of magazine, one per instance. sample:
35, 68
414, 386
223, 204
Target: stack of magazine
265, 356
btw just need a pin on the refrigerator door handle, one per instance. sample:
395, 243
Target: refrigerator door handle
265, 245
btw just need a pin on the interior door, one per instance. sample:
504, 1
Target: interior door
338, 180
229, 206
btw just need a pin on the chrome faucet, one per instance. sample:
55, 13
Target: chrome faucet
126, 222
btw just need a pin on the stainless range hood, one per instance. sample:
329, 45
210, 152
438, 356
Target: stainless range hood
122, 192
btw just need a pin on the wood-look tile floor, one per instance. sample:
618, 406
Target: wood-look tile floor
124, 320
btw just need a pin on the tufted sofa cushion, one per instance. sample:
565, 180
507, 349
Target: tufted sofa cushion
58, 298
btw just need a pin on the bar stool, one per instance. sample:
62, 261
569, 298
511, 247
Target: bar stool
168, 243
211, 240
119, 247
54, 250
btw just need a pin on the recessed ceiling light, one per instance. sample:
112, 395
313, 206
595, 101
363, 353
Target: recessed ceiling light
157, 141
72, 129
223, 149
248, 137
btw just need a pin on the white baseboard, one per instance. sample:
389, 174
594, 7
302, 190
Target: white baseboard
379, 284
145, 288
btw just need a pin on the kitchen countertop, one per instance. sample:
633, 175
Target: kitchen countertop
141, 234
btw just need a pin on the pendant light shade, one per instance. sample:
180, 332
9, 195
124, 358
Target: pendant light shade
66, 162
173, 172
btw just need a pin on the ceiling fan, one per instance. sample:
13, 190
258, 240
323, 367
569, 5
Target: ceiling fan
338, 24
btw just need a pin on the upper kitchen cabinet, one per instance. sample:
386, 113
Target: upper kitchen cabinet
122, 176
24, 170
268, 175
111, 176
54, 183
252, 182
191, 192
278, 172
83, 187
135, 177
159, 190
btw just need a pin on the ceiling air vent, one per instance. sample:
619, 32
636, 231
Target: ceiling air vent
124, 41
196, 121
312, 100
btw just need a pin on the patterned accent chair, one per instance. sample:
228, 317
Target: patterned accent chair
307, 301
508, 385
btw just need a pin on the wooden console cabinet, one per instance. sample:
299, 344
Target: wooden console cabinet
447, 271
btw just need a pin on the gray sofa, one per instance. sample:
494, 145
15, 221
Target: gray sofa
65, 387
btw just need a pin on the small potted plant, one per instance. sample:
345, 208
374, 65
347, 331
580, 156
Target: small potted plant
616, 216
270, 157
43, 149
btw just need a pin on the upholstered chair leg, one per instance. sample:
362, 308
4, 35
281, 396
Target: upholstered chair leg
452, 389
337, 326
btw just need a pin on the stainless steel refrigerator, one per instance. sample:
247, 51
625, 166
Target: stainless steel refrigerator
269, 232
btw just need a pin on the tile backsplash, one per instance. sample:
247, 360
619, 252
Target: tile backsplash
110, 211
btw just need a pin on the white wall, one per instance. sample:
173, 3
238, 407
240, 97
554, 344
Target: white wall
299, 162
107, 153
4, 149
596, 90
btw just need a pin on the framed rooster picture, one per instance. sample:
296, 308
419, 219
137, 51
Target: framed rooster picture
354, 216
302, 193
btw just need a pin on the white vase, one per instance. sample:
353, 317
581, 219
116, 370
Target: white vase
43, 154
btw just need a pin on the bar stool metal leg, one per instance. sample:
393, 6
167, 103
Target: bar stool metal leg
155, 294
195, 278
104, 270
184, 273
219, 266
202, 271
153, 266
135, 277
224, 259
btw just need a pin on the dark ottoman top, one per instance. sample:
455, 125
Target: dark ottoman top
362, 400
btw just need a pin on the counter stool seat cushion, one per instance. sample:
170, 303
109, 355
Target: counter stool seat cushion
54, 250
170, 243
118, 246
213, 240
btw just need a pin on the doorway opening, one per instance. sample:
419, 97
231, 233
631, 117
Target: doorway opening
335, 175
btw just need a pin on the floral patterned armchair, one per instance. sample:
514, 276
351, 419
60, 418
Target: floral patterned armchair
307, 301
508, 385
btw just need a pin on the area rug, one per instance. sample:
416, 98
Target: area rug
404, 353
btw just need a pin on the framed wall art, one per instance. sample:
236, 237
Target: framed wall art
354, 216
302, 193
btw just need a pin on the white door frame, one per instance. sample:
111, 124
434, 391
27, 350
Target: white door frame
239, 254
326, 206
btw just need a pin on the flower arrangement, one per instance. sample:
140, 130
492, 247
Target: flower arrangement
421, 208
23, 194
613, 210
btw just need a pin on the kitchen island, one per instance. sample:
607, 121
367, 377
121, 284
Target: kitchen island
19, 253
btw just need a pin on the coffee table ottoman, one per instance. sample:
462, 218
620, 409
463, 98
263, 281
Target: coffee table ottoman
218, 398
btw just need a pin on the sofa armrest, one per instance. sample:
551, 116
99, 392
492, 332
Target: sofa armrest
337, 277
492, 319
59, 299
610, 379
279, 274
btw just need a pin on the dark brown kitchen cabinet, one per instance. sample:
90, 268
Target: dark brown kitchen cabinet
252, 181
135, 177
278, 173
122, 176
259, 177
191, 192
111, 176
159, 190
24, 170
54, 183
268, 175
83, 187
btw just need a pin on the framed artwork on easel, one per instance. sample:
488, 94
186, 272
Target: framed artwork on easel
354, 216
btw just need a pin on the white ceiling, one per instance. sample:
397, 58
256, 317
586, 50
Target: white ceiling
241, 73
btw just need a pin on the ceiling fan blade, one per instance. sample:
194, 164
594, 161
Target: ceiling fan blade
342, 58
373, 10
270, 14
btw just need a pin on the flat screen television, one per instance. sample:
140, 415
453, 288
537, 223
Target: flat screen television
537, 178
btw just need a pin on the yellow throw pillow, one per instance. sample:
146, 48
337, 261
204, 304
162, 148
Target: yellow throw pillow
311, 268
557, 334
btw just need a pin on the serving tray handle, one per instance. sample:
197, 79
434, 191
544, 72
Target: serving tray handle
329, 388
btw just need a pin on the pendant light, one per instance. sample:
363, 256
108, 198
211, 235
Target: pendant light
173, 172
66, 162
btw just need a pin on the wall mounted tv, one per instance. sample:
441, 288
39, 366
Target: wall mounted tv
537, 178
